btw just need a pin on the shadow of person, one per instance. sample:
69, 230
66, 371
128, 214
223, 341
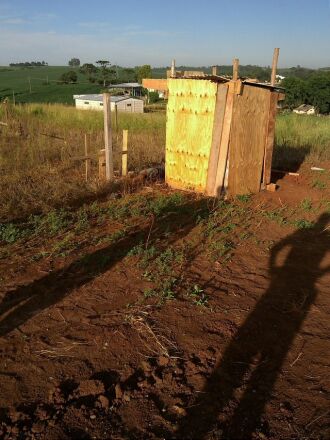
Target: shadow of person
253, 359
23, 303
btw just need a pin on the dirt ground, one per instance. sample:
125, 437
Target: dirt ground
87, 351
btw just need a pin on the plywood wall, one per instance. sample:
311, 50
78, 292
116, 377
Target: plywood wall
249, 129
189, 128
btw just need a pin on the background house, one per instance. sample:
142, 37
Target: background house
95, 102
132, 89
305, 109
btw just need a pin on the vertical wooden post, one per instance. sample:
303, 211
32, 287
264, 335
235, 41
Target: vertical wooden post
124, 153
30, 85
173, 72
274, 66
116, 117
214, 70
6, 110
235, 68
87, 160
14, 99
107, 136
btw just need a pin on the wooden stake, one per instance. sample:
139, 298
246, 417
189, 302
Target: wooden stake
274, 66
214, 70
14, 99
173, 72
107, 136
116, 117
235, 68
87, 161
30, 85
124, 153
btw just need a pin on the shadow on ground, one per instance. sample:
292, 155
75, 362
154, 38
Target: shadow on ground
254, 358
25, 302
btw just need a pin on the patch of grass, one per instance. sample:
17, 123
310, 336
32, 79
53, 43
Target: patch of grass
276, 216
244, 197
9, 233
318, 184
221, 249
306, 205
302, 224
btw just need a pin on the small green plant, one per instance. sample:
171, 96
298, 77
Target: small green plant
198, 295
318, 184
244, 197
276, 216
9, 233
303, 224
306, 205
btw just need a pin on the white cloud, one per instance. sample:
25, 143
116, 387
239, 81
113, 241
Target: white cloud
13, 21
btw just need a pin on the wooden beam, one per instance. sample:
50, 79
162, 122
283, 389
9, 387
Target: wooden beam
219, 113
87, 161
274, 66
124, 153
173, 72
269, 142
107, 137
116, 117
235, 69
224, 144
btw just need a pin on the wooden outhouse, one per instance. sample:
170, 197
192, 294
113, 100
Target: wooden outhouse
220, 134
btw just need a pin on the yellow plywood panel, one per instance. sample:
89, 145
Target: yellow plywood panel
190, 118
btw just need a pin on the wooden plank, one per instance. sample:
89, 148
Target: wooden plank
247, 140
189, 129
219, 114
235, 69
156, 84
224, 144
274, 66
124, 153
107, 137
87, 161
270, 137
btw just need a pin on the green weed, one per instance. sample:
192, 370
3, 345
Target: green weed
306, 205
318, 184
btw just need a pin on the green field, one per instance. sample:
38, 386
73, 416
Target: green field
45, 89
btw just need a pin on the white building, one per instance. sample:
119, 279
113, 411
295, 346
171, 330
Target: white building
124, 103
305, 109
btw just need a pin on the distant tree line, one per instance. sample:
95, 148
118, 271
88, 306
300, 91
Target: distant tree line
29, 64
104, 73
314, 90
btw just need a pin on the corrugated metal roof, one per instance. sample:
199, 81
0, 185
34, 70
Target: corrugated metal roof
129, 85
99, 97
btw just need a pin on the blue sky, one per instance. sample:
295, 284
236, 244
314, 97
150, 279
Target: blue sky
153, 32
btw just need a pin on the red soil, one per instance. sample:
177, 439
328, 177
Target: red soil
84, 356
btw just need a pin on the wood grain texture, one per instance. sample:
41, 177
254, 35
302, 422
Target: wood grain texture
247, 140
224, 144
270, 137
107, 137
219, 114
189, 130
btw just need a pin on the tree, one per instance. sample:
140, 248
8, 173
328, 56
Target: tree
74, 62
104, 70
88, 69
318, 91
69, 77
143, 72
295, 91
